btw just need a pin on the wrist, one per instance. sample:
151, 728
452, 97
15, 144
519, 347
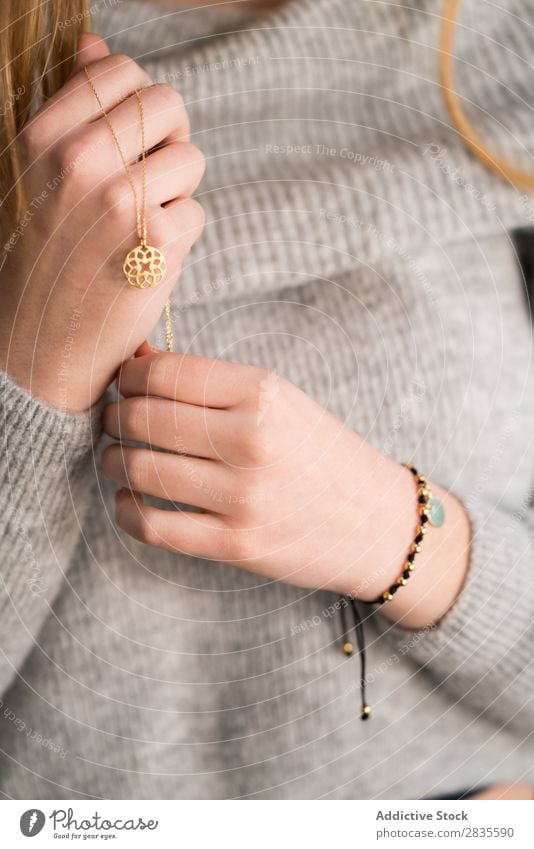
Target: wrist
390, 531
392, 527
53, 361
441, 569
50, 376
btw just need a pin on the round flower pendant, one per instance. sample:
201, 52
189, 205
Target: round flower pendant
144, 267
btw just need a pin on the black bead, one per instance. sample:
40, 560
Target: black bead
393, 589
411, 557
364, 716
419, 538
423, 499
406, 574
424, 519
414, 472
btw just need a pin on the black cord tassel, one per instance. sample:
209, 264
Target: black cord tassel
348, 648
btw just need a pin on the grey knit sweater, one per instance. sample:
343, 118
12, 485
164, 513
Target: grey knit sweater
354, 246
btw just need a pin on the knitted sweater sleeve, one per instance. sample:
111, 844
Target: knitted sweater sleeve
46, 472
483, 648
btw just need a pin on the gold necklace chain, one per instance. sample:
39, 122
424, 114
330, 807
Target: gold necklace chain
144, 266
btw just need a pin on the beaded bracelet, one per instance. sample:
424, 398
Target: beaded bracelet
430, 510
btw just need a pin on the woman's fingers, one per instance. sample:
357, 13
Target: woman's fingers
188, 480
74, 109
74, 106
171, 426
173, 171
91, 48
174, 220
200, 535
164, 119
183, 222
172, 231
194, 380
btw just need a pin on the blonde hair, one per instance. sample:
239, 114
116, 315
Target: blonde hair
503, 169
38, 48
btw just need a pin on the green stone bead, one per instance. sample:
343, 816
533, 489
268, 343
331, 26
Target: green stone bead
436, 512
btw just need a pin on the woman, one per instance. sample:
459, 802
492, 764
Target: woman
354, 303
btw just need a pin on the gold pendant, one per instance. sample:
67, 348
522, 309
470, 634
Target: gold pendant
144, 266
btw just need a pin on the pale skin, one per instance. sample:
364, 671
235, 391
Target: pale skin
332, 512
81, 223
285, 489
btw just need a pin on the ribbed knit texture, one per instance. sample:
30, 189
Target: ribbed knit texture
378, 274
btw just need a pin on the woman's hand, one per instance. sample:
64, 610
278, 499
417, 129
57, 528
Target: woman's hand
67, 316
285, 489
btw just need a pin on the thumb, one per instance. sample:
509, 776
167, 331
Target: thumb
90, 48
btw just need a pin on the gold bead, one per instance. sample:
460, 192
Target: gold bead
348, 648
402, 582
366, 710
410, 567
387, 595
415, 548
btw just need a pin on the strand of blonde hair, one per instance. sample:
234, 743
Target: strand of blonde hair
38, 40
520, 179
